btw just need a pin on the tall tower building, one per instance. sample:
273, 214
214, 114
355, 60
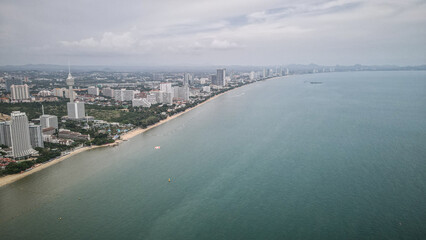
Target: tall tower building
70, 83
20, 135
75, 109
220, 77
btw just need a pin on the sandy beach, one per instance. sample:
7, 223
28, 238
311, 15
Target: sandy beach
14, 177
124, 137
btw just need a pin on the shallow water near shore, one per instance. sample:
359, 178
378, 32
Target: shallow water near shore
282, 159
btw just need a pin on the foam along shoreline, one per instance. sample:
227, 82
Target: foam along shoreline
124, 137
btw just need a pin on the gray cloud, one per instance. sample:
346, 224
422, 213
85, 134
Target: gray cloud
213, 32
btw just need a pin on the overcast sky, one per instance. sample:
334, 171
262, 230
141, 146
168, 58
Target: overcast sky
219, 32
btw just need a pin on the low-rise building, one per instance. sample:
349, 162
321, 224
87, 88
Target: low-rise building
141, 102
67, 134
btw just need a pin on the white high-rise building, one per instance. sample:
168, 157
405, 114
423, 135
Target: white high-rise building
19, 92
187, 79
124, 95
181, 93
220, 77
48, 121
5, 138
151, 98
93, 91
108, 92
166, 93
166, 87
36, 137
20, 135
76, 110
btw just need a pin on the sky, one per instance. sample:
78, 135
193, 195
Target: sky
206, 32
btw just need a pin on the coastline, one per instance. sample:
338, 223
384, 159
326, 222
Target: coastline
15, 177
5, 180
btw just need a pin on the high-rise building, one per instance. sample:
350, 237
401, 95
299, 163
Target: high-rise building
166, 87
221, 81
5, 138
181, 93
36, 137
124, 95
166, 93
76, 110
93, 91
108, 92
19, 92
20, 135
48, 121
13, 81
187, 79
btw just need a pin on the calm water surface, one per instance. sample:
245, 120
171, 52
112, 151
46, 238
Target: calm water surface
281, 159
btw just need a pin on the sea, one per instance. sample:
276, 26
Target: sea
316, 156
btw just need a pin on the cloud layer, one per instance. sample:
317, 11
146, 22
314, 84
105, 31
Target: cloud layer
213, 32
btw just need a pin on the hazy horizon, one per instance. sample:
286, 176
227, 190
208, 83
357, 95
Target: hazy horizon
199, 33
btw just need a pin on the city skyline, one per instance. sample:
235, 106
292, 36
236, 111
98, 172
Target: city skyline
220, 33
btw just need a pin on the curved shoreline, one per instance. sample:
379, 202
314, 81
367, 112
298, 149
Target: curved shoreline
5, 180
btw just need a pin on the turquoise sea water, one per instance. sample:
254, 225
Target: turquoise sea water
281, 159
